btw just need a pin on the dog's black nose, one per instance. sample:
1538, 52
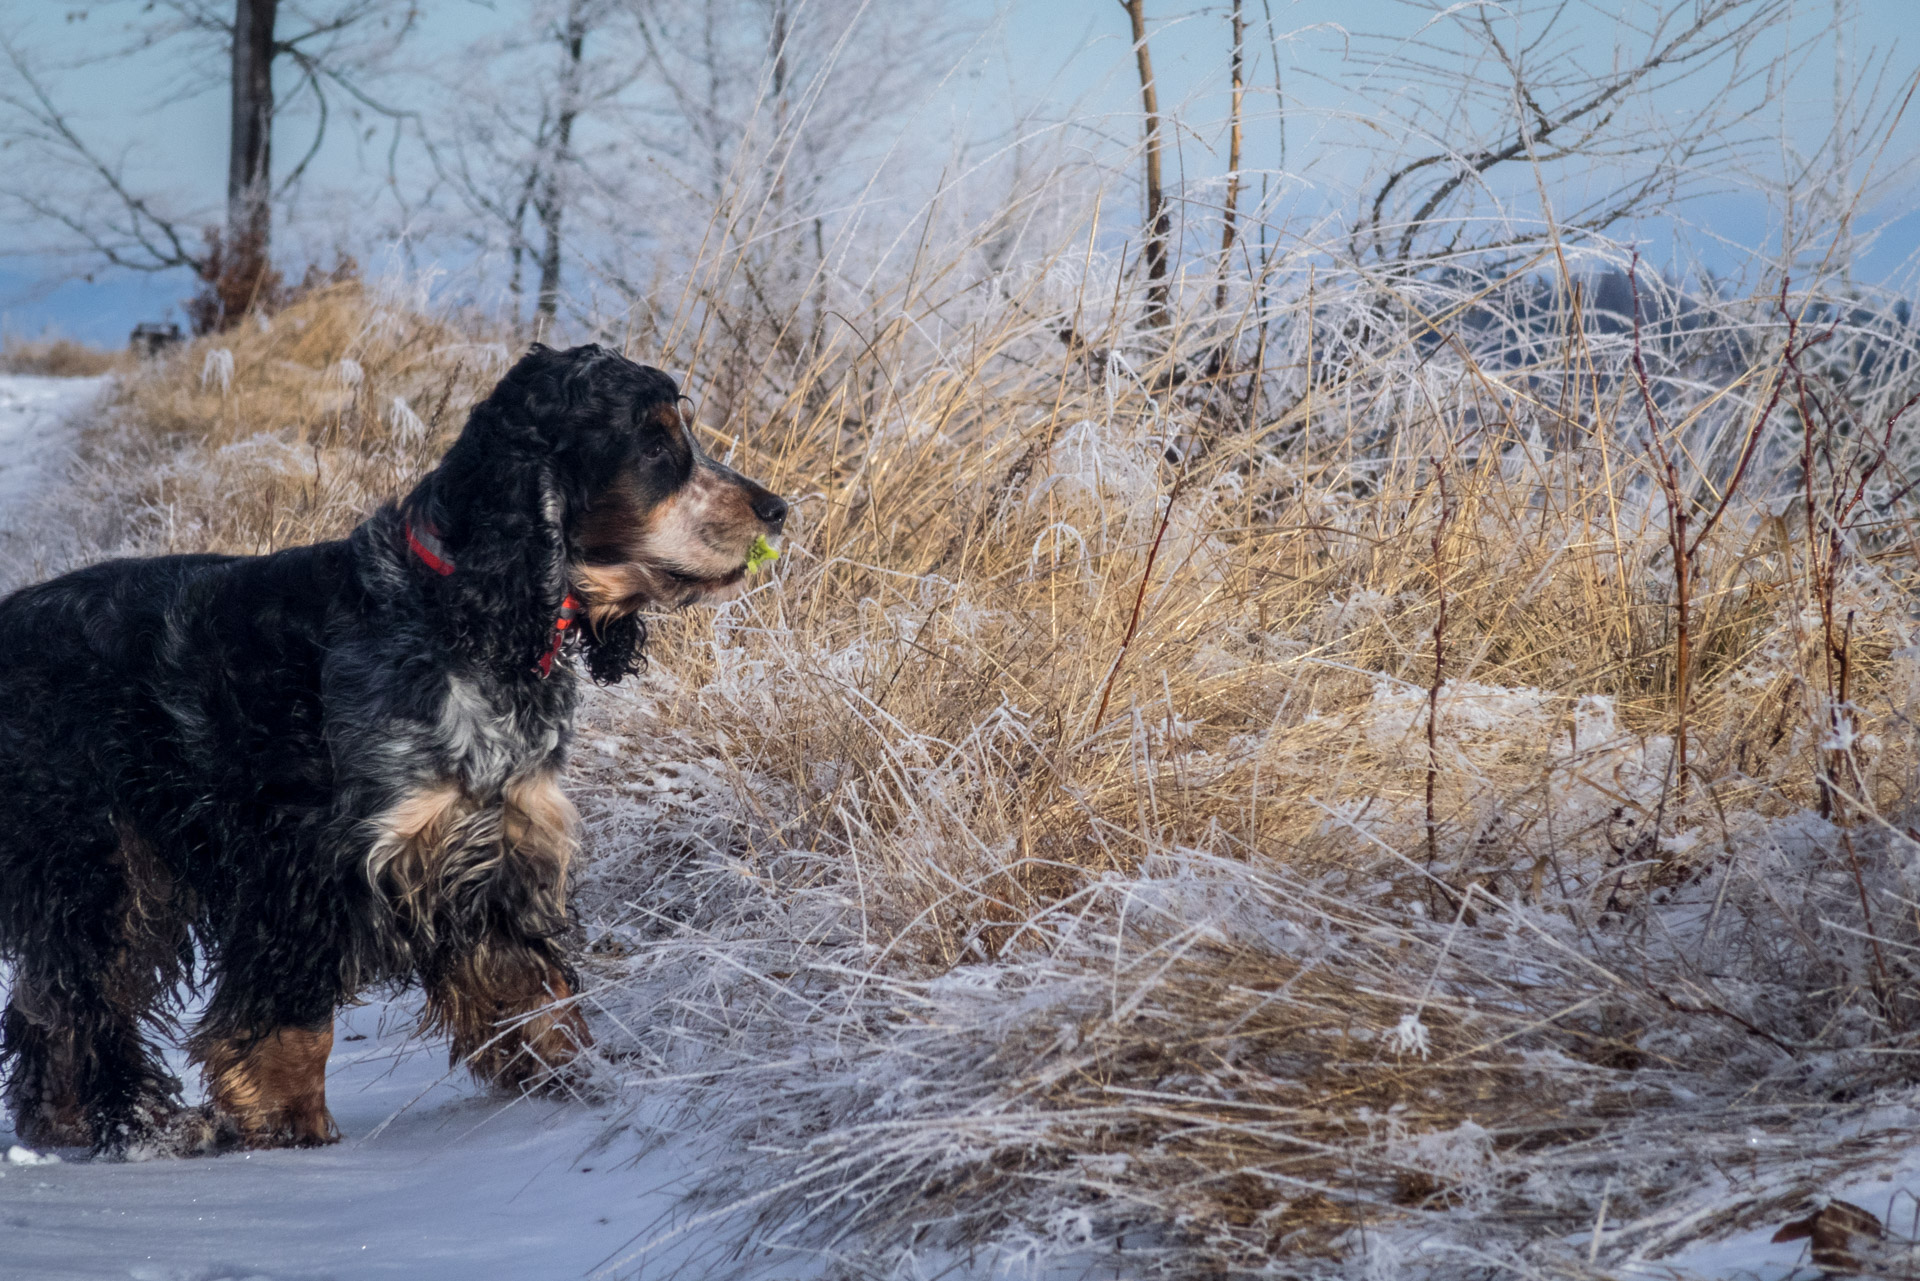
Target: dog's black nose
771, 508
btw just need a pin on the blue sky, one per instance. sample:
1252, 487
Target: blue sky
1067, 59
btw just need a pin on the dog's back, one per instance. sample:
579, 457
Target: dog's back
118, 675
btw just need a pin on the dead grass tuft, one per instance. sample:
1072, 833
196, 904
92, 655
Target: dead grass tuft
291, 430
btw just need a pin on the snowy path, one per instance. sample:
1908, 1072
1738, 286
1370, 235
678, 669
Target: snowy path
432, 1180
39, 419
36, 431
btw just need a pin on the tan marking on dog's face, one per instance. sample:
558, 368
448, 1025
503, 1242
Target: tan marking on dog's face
703, 530
274, 1090
668, 532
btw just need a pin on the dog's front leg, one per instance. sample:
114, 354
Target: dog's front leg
499, 982
271, 1090
511, 1010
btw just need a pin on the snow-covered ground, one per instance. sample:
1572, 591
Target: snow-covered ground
36, 430
432, 1180
39, 420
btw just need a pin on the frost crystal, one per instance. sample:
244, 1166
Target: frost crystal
218, 368
1409, 1035
405, 423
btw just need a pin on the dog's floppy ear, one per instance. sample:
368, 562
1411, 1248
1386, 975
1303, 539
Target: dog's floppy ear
563, 384
536, 449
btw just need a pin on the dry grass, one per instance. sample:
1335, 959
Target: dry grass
58, 357
1148, 979
1041, 861
265, 437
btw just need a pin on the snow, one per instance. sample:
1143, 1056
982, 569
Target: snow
433, 1178
1753, 1255
17, 1155
39, 418
36, 426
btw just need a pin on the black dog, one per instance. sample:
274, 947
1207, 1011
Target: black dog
335, 766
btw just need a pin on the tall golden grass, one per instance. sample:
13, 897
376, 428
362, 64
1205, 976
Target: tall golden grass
1055, 853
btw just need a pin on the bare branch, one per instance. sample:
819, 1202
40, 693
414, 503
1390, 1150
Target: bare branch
144, 239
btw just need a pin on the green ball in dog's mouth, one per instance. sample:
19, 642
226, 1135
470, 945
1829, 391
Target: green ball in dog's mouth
760, 554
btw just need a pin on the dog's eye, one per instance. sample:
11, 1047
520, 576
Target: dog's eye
653, 451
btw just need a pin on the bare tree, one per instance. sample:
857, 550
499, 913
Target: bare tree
1486, 92
250, 125
599, 139
771, 103
80, 189
551, 203
65, 184
1230, 206
535, 136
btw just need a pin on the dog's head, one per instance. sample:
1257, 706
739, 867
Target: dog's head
649, 518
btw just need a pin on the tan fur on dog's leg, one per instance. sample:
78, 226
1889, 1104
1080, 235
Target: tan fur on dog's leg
273, 1090
511, 1018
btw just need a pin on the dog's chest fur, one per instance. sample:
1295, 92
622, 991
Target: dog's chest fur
485, 737
485, 804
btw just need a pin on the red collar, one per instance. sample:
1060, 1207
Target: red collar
569, 611
425, 543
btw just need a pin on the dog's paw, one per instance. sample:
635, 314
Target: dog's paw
575, 1081
304, 1128
162, 1129
192, 1132
48, 1131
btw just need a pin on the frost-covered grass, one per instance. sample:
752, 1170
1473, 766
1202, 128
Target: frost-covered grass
1052, 859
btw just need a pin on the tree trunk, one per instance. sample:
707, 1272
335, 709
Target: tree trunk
249, 156
1233, 159
1159, 220
781, 145
552, 203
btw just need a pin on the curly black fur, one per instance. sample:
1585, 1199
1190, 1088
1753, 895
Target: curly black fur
201, 755
616, 649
